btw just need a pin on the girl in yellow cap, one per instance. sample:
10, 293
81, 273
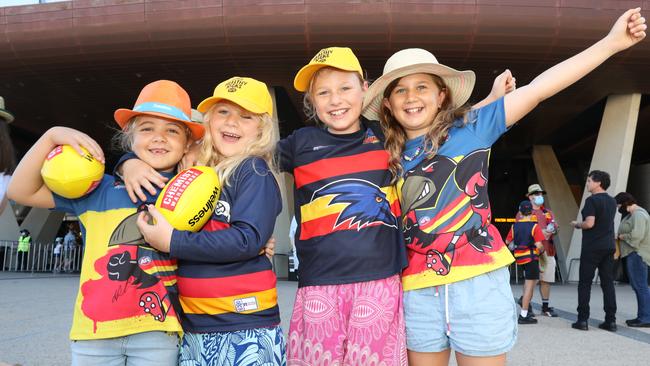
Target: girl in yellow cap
227, 290
456, 288
125, 311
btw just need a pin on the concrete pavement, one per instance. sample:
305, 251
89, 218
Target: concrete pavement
36, 312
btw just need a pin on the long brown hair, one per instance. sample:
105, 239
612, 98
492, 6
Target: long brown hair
7, 154
435, 136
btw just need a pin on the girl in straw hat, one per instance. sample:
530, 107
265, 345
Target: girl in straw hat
125, 311
457, 294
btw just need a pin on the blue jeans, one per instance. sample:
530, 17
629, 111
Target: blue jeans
141, 349
637, 272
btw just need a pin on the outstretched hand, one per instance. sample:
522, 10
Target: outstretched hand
158, 234
628, 30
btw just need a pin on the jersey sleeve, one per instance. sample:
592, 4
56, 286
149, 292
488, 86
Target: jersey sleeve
511, 236
588, 209
537, 233
488, 123
256, 204
285, 153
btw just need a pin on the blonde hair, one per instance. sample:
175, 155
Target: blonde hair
263, 147
308, 105
435, 136
123, 139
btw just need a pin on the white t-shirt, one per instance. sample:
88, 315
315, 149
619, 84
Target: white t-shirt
4, 183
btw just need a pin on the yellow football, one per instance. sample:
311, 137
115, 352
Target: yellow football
188, 199
69, 174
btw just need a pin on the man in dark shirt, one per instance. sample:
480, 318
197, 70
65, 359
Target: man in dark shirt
597, 250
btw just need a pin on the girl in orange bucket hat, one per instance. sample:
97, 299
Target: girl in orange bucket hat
226, 285
126, 305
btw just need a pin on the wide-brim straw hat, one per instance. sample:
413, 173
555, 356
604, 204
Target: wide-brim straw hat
417, 61
5, 114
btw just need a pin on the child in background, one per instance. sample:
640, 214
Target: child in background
227, 289
56, 253
123, 313
442, 148
527, 238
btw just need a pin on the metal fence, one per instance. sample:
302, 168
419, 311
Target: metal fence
39, 258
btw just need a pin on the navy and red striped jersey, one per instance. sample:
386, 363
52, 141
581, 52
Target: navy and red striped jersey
224, 284
345, 206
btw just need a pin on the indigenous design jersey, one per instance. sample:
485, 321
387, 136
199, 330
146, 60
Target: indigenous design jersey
525, 233
446, 210
224, 282
126, 287
345, 206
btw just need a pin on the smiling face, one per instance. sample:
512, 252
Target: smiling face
337, 97
232, 128
415, 101
159, 142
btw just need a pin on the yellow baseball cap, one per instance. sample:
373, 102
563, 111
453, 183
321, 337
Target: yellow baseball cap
248, 93
338, 57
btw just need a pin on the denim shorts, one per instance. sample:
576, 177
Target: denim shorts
475, 317
141, 349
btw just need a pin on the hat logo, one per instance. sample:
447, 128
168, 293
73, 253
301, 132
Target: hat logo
322, 55
235, 84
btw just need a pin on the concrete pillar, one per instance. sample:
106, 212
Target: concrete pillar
612, 154
281, 230
8, 225
558, 198
42, 224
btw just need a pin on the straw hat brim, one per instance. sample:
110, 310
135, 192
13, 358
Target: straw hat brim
124, 115
460, 84
8, 117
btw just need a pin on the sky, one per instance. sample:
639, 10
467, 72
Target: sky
24, 2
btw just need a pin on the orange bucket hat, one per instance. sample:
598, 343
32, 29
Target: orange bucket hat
164, 99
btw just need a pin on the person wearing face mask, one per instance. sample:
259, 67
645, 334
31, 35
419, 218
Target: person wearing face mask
634, 235
546, 221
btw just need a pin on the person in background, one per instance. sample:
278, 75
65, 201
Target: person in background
24, 242
546, 221
597, 250
69, 245
56, 253
634, 236
527, 236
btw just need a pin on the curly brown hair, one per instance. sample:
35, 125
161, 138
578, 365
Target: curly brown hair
435, 136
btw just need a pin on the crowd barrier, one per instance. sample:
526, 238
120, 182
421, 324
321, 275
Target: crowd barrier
39, 258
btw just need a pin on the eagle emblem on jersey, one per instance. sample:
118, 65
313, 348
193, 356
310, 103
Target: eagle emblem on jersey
365, 204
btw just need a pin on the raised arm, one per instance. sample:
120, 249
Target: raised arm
26, 186
628, 30
503, 84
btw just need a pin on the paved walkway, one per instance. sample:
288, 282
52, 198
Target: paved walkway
36, 311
